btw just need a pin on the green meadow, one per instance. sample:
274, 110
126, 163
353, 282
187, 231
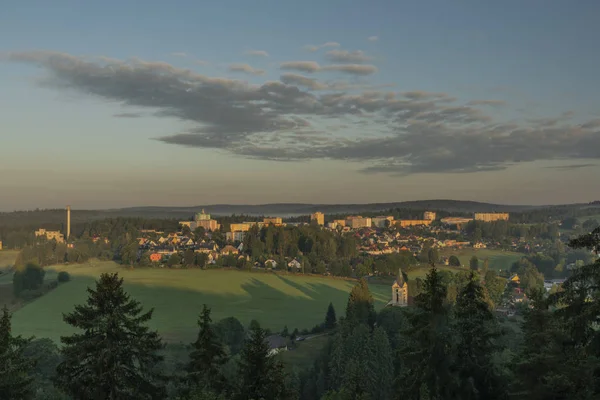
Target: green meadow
275, 300
7, 258
498, 259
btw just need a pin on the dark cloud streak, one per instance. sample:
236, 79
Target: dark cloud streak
400, 133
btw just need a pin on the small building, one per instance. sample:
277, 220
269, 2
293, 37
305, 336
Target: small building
270, 263
295, 264
277, 344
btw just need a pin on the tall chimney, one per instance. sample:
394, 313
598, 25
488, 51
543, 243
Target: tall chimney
68, 222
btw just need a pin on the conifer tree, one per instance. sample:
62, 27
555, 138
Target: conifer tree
330, 318
262, 376
360, 309
114, 356
427, 354
15, 369
476, 330
545, 367
380, 366
207, 358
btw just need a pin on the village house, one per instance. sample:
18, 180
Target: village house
295, 264
229, 249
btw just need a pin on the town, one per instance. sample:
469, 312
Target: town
364, 246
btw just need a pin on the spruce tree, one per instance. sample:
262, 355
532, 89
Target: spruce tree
330, 318
207, 358
360, 309
115, 354
546, 368
426, 355
476, 329
380, 366
261, 376
15, 369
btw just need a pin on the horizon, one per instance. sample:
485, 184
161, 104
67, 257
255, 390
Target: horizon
299, 204
203, 103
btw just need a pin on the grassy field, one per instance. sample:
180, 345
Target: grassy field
177, 297
7, 258
305, 353
498, 259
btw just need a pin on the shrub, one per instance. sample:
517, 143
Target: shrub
63, 276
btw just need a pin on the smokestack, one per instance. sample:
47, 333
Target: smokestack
68, 222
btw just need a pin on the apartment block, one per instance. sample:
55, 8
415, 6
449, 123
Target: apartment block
382, 221
274, 220
491, 217
319, 217
429, 215
357, 222
403, 223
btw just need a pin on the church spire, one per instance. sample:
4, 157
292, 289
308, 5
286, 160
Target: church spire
400, 277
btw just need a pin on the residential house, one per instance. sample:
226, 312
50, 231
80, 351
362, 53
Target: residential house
295, 264
229, 249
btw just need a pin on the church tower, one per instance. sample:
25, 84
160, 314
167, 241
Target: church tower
399, 291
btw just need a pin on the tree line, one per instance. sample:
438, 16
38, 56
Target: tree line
443, 350
435, 349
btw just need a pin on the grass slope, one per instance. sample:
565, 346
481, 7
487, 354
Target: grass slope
7, 258
177, 297
498, 259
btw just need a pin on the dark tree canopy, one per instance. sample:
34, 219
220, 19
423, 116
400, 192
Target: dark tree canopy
330, 318
115, 355
261, 376
15, 369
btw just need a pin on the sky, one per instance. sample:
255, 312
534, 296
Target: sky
114, 103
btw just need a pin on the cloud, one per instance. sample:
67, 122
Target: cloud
571, 166
127, 115
493, 103
312, 67
314, 84
258, 53
201, 62
245, 68
344, 56
179, 54
385, 132
354, 69
314, 48
304, 66
300, 80
373, 38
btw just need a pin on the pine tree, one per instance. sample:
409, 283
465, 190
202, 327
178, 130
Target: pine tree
360, 309
115, 355
426, 355
15, 369
476, 329
546, 368
207, 358
330, 318
380, 366
261, 376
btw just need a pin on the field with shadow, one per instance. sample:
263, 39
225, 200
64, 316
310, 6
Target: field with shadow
177, 297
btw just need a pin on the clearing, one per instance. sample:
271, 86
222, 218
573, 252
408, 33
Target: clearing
7, 258
498, 259
177, 297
